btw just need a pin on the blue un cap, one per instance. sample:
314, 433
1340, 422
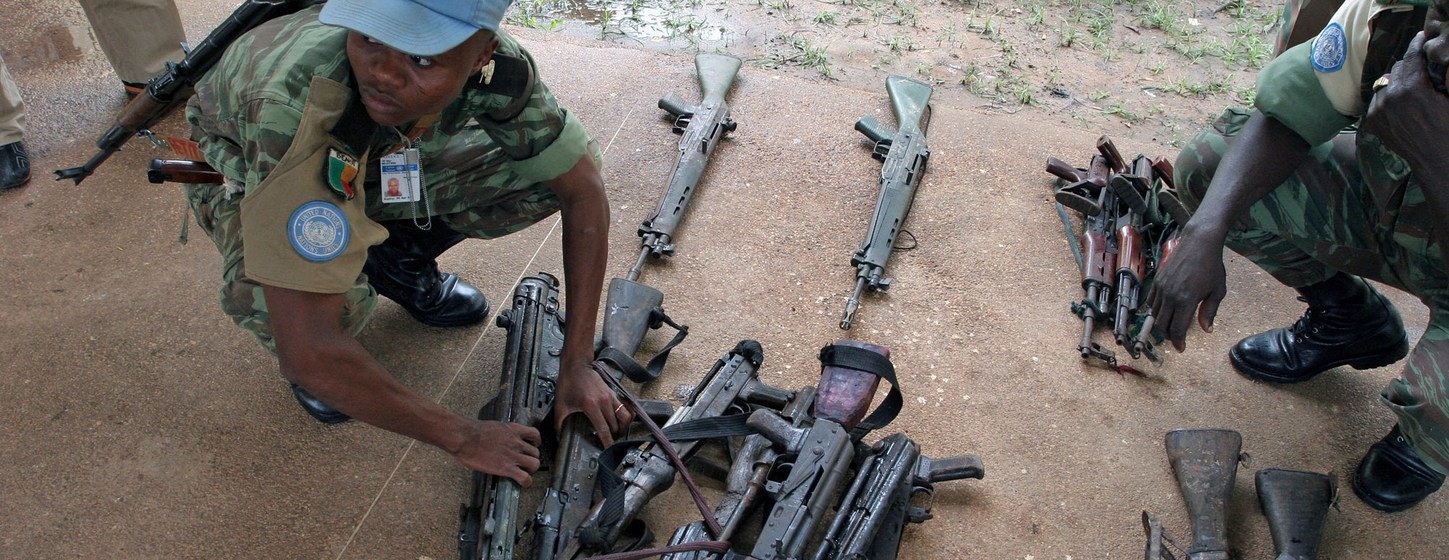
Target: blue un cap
416, 27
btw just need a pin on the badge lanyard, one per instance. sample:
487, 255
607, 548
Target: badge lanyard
402, 174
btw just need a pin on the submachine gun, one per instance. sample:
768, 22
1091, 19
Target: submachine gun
172, 87
904, 156
526, 390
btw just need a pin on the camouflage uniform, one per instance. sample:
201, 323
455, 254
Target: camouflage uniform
1354, 207
279, 113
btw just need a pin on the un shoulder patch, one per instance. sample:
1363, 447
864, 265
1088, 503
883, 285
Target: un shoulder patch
318, 231
1330, 49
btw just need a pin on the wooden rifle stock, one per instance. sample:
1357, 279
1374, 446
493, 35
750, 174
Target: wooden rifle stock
183, 171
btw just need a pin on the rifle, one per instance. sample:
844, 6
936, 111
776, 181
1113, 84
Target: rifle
744, 484
802, 484
1132, 192
732, 384
903, 156
632, 309
701, 127
869, 521
1087, 192
489, 521
172, 86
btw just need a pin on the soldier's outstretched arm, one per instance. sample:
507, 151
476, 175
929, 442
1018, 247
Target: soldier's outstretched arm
585, 210
1193, 281
316, 353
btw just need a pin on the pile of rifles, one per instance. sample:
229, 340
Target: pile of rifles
800, 481
802, 452
1130, 218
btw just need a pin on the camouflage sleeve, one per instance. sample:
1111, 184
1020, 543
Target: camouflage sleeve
1290, 92
544, 139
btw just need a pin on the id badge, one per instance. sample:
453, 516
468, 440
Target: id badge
402, 176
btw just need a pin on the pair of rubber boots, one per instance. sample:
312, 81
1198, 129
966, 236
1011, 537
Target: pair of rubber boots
1347, 323
404, 268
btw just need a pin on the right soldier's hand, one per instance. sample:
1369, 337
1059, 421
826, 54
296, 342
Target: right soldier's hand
1193, 281
502, 449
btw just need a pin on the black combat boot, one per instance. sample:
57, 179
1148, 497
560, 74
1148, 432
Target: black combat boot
1392, 477
404, 268
318, 409
14, 166
1347, 322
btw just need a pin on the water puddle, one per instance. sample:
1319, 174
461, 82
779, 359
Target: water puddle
655, 24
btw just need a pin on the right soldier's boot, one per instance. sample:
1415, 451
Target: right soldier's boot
1347, 323
404, 268
1392, 477
14, 166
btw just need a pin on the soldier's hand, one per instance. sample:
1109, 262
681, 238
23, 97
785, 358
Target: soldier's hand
1191, 282
581, 390
502, 449
1407, 113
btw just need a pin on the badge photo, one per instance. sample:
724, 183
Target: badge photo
318, 231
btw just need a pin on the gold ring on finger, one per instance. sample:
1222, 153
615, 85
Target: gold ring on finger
621, 407
1381, 83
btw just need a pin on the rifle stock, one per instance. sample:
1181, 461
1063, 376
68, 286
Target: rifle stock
1206, 465
716, 74
903, 156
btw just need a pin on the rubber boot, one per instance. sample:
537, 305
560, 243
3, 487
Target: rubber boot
1347, 323
404, 268
1392, 477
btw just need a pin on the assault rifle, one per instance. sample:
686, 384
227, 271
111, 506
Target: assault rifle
172, 86
731, 385
876, 508
489, 521
904, 156
701, 127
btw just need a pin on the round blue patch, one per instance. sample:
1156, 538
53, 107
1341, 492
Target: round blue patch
318, 231
1330, 49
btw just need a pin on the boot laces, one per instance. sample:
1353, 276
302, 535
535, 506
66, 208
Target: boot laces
1306, 323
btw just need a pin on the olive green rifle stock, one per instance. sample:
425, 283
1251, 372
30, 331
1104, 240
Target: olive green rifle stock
701, 127
903, 156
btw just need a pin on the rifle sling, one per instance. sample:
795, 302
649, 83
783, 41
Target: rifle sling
613, 486
865, 360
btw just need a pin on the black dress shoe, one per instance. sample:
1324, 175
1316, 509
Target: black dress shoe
404, 268
14, 166
1392, 477
1347, 323
318, 409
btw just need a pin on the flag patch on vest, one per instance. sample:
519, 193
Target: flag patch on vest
1330, 49
341, 170
318, 231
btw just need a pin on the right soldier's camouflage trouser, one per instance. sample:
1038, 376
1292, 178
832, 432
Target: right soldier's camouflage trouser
469, 187
1324, 219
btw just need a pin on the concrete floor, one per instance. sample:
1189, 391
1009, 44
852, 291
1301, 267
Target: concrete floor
139, 423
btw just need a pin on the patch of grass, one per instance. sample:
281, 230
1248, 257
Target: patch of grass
798, 51
1120, 111
1037, 16
1099, 95
826, 17
1066, 35
900, 42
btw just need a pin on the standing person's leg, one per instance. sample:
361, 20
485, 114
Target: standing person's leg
1316, 233
138, 36
14, 162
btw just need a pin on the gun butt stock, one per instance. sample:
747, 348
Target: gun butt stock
1206, 465
910, 100
845, 393
628, 314
716, 73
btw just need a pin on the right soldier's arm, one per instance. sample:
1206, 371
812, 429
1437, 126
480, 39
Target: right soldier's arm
315, 352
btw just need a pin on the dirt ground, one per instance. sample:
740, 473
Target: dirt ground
141, 424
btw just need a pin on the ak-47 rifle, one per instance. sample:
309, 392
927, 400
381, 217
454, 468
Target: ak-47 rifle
172, 87
869, 521
904, 156
731, 385
1088, 193
489, 521
701, 127
1133, 191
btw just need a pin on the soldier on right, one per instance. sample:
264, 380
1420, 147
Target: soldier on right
1339, 173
